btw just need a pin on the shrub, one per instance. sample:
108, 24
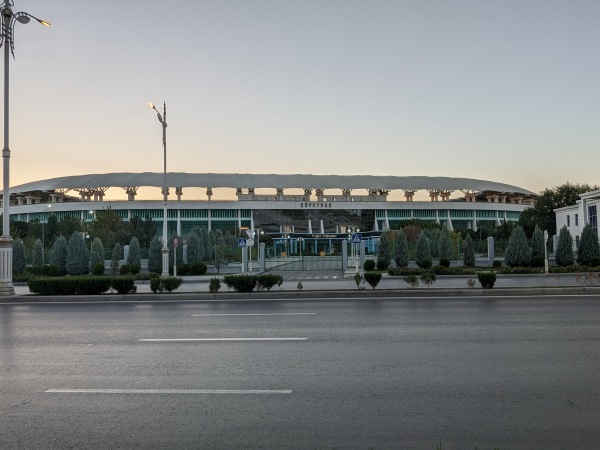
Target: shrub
115, 259
444, 262
268, 280
171, 283
426, 264
369, 265
134, 255
47, 270
98, 269
156, 285
428, 278
155, 255
82, 285
135, 268
595, 262
97, 253
214, 285
183, 269
125, 269
197, 268
241, 283
123, 285
486, 279
38, 253
373, 278
564, 251
445, 245
382, 263
537, 261
411, 280
497, 264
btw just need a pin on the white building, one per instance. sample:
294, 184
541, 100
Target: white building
577, 216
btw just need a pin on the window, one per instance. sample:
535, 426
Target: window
568, 220
576, 220
593, 215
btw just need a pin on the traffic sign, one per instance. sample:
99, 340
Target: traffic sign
249, 242
356, 238
241, 242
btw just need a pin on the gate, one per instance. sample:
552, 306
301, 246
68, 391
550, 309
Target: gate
304, 254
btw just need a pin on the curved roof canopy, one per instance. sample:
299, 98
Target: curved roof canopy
245, 180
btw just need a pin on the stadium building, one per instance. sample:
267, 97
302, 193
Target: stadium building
316, 210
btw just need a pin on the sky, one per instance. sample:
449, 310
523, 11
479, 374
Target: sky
505, 91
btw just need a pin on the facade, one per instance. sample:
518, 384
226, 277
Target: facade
577, 216
325, 209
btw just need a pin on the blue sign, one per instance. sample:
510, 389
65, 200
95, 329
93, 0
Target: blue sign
241, 242
356, 238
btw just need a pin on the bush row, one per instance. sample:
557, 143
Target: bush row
247, 283
80, 285
169, 284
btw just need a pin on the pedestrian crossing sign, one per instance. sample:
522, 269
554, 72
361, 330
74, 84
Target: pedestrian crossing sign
356, 238
241, 242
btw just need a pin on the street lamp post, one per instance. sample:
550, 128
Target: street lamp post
9, 19
165, 249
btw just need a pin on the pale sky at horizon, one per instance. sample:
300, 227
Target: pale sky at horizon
502, 91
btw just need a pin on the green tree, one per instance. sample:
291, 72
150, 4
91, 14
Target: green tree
219, 250
68, 225
38, 253
423, 250
97, 252
538, 245
144, 230
193, 248
77, 255
401, 249
518, 253
206, 244
542, 213
18, 256
134, 256
58, 254
384, 254
445, 245
564, 251
468, 252
115, 258
155, 255
588, 250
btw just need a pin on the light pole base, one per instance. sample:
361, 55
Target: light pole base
165, 262
6, 257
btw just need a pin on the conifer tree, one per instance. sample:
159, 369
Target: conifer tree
58, 254
423, 250
135, 253
445, 245
564, 251
384, 254
206, 244
537, 243
155, 255
115, 258
19, 262
38, 250
401, 249
588, 250
97, 252
468, 252
518, 253
193, 248
77, 255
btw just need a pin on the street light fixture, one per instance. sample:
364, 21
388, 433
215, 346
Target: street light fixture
165, 249
9, 19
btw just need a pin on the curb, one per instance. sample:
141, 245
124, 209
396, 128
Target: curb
309, 295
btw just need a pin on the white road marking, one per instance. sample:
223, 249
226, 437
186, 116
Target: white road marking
167, 391
255, 314
221, 339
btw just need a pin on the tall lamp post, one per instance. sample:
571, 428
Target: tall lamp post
165, 249
9, 19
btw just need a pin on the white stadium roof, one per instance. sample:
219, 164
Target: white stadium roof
245, 180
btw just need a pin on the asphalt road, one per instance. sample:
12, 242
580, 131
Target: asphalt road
512, 373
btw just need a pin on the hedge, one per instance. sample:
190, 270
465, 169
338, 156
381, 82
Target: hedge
76, 285
169, 284
486, 279
373, 278
268, 280
240, 283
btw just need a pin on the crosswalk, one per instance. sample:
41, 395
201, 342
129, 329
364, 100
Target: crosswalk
308, 277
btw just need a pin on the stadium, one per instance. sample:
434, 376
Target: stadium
321, 209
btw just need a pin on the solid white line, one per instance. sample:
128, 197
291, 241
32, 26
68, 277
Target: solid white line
221, 339
255, 314
166, 391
